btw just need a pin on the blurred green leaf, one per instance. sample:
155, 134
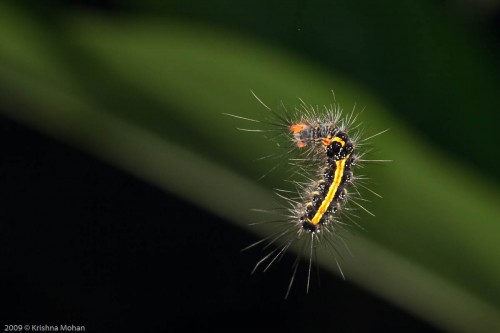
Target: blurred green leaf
148, 97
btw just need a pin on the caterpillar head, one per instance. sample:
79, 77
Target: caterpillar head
300, 133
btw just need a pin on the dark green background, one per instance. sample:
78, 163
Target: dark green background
143, 85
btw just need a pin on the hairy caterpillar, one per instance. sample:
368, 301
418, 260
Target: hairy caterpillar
325, 149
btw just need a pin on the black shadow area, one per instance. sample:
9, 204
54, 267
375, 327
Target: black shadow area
83, 243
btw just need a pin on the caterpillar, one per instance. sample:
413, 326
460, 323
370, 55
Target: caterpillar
329, 148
